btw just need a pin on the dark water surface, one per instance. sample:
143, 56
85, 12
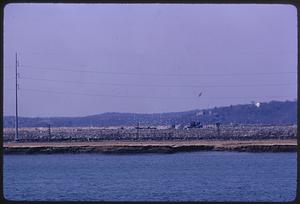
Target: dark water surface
197, 176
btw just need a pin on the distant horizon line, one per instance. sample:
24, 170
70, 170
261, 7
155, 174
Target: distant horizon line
294, 100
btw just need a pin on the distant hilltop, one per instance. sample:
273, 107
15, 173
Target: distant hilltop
274, 112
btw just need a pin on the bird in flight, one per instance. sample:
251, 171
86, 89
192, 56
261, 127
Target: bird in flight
200, 94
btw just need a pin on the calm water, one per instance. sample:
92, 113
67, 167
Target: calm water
198, 176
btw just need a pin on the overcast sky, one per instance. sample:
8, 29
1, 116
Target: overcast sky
77, 60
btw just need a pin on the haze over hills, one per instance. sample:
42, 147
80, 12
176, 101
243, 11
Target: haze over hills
274, 112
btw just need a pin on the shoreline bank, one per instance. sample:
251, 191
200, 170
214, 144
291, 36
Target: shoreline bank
129, 147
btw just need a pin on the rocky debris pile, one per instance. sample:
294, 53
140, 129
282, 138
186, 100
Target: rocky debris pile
226, 132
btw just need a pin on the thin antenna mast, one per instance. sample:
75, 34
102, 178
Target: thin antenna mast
16, 121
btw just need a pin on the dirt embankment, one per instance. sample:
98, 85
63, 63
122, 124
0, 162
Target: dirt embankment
121, 147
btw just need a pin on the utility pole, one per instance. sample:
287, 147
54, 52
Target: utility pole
138, 130
17, 86
218, 128
49, 131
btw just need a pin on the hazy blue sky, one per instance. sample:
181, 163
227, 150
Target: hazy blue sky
82, 59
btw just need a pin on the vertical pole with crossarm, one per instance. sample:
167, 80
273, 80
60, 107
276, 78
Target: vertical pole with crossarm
16, 121
49, 131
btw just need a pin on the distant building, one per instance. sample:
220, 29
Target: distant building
180, 126
162, 127
195, 125
200, 113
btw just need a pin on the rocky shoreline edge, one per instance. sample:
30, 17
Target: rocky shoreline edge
122, 149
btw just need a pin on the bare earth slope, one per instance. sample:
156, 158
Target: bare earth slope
288, 145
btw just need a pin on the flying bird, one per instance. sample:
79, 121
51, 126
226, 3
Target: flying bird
200, 94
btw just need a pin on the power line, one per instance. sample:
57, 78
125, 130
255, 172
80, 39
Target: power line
157, 85
152, 74
149, 97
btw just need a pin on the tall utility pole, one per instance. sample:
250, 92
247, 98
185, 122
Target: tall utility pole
138, 130
16, 121
49, 131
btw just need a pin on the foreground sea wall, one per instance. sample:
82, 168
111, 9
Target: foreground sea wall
163, 147
148, 149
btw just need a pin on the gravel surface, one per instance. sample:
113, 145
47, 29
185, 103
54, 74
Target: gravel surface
226, 132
